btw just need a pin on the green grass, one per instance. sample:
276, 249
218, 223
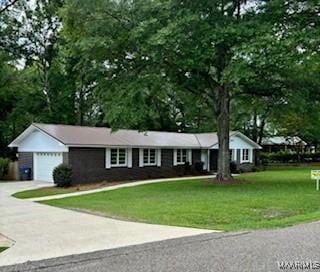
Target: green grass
274, 198
46, 191
3, 249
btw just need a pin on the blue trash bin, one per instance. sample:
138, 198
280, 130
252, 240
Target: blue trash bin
25, 173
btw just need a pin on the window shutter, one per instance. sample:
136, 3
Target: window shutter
158, 157
175, 157
190, 156
141, 157
108, 157
129, 154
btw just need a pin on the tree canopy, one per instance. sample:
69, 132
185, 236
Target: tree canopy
166, 65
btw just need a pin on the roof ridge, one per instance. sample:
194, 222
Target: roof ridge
126, 129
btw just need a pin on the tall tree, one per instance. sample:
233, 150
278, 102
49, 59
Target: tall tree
204, 48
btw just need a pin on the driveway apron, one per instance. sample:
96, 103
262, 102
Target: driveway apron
40, 231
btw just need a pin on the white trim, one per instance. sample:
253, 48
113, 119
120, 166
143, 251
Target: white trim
205, 159
249, 160
175, 157
141, 157
129, 157
189, 155
38, 141
125, 164
34, 166
159, 157
32, 128
253, 144
107, 159
155, 157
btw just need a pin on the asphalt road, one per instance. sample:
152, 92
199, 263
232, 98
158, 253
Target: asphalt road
244, 251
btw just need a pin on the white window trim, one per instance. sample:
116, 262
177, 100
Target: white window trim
128, 158
155, 157
249, 155
175, 156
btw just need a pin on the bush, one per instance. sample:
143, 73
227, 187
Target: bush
234, 167
199, 166
62, 175
4, 167
286, 157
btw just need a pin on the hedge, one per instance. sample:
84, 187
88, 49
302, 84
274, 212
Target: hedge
286, 157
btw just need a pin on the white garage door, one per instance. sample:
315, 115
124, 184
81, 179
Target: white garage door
44, 163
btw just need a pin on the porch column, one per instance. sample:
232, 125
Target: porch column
208, 166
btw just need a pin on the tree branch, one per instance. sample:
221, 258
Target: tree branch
8, 5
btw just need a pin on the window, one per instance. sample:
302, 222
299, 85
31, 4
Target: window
118, 157
149, 157
245, 155
182, 156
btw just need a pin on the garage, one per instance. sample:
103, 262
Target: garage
44, 164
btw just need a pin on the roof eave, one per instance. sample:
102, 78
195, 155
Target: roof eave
235, 133
27, 132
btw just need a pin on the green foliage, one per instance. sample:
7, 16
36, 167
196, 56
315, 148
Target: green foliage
269, 199
62, 175
160, 64
4, 166
289, 157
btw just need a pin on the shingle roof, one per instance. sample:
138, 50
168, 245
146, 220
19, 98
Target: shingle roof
79, 135
101, 136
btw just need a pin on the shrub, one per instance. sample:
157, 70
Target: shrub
62, 175
286, 157
234, 167
187, 166
4, 167
199, 166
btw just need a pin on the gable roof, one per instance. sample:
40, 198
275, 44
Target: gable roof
101, 136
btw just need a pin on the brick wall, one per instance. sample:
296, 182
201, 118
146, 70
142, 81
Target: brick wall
88, 165
26, 159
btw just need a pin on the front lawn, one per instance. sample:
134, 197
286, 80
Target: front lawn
47, 191
274, 198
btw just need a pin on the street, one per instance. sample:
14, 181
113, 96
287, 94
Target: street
243, 251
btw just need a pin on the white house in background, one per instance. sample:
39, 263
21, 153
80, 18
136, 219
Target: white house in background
283, 143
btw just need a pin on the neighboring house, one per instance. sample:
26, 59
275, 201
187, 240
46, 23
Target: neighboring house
98, 154
281, 143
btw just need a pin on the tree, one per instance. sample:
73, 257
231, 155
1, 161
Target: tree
5, 5
201, 48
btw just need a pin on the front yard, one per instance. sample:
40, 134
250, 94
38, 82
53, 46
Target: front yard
274, 198
53, 190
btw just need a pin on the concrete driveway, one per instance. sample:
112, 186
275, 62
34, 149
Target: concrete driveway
40, 231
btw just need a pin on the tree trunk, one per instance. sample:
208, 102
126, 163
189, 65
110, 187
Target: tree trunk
255, 127
81, 106
222, 112
261, 131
